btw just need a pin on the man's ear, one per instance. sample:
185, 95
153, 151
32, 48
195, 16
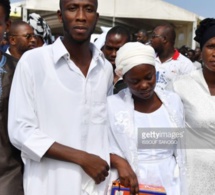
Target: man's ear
165, 39
8, 23
97, 17
12, 40
59, 15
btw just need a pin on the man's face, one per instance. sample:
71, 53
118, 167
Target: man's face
112, 44
141, 37
3, 24
24, 39
79, 19
156, 39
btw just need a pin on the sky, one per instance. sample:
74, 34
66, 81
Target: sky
203, 8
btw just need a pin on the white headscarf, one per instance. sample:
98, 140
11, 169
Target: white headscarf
132, 54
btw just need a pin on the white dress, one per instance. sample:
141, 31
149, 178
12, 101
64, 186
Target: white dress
156, 167
200, 118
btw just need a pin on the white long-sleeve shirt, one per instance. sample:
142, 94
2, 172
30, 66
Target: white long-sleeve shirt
52, 101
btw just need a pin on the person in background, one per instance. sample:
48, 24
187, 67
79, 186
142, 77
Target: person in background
198, 55
11, 167
4, 44
142, 36
57, 109
197, 92
183, 50
191, 56
41, 29
116, 37
169, 62
21, 38
139, 109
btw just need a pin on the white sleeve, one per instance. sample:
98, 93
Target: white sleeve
114, 147
23, 125
187, 67
110, 80
180, 152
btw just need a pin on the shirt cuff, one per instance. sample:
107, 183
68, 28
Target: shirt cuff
36, 146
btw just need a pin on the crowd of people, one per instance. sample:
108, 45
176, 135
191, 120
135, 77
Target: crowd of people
76, 116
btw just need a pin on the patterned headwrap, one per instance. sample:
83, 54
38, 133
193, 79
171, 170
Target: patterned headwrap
133, 54
41, 28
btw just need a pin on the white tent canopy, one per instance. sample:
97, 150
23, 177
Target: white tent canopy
153, 9
136, 14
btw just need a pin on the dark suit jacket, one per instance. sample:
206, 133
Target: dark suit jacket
11, 179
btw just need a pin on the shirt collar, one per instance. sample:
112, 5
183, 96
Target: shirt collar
175, 55
59, 51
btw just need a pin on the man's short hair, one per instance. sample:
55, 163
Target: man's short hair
119, 30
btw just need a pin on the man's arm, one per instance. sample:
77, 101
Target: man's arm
92, 164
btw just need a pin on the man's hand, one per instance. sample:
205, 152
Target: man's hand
92, 164
127, 176
95, 167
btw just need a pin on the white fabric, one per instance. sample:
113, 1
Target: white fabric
8, 51
99, 43
123, 141
156, 166
52, 101
132, 54
169, 70
199, 116
197, 65
158, 118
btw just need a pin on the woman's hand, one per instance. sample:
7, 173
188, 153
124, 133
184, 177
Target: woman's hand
127, 176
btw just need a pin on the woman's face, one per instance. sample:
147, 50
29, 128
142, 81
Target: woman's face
208, 54
141, 81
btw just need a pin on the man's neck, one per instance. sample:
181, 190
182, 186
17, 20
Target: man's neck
80, 54
15, 53
166, 54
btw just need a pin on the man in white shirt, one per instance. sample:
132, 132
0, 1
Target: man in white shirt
57, 111
169, 62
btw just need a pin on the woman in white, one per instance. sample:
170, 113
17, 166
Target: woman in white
197, 92
140, 106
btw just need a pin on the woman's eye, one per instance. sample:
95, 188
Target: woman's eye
211, 46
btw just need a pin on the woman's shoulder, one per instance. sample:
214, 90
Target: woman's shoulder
119, 96
168, 96
185, 79
120, 100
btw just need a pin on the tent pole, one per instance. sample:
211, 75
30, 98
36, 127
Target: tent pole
114, 12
